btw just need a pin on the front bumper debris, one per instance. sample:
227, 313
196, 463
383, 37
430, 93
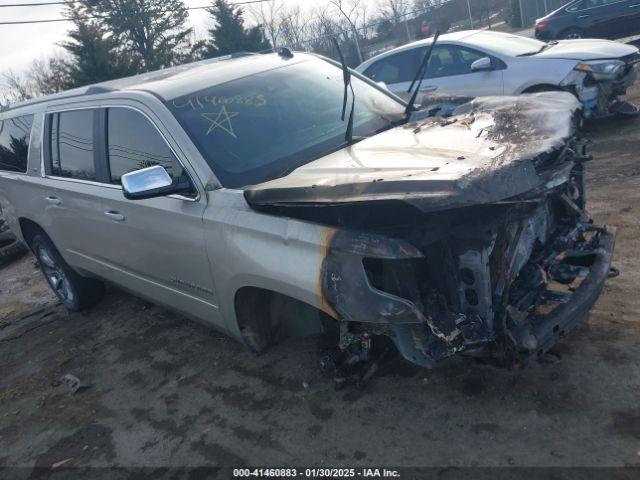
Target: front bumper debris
503, 281
600, 99
560, 285
534, 339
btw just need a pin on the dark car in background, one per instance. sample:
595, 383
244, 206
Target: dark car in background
591, 19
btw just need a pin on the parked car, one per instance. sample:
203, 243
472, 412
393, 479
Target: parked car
232, 192
591, 19
477, 63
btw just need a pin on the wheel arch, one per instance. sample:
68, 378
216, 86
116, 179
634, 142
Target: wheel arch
543, 87
29, 229
265, 316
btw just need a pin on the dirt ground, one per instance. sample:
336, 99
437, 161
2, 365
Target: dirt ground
167, 392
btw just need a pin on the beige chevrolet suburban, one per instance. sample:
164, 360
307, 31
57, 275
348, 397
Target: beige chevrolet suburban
235, 191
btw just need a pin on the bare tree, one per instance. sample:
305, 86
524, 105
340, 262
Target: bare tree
295, 28
321, 26
393, 10
49, 76
15, 88
349, 11
268, 15
43, 77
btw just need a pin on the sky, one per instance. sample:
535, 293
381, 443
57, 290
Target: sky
20, 45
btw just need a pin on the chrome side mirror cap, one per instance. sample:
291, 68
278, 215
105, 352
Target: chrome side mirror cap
482, 64
151, 182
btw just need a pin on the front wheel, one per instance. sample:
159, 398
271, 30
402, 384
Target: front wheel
74, 291
573, 34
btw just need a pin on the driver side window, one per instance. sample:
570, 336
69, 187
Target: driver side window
447, 61
133, 143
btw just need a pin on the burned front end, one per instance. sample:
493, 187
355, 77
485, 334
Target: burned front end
486, 251
503, 281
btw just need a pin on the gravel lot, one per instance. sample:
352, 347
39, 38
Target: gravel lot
168, 392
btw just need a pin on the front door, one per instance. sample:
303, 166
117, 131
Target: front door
448, 73
154, 247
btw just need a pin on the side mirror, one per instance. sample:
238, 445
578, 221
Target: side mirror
384, 85
482, 64
152, 182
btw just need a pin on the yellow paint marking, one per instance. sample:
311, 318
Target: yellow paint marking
222, 120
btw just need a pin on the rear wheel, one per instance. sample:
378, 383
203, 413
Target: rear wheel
74, 291
573, 34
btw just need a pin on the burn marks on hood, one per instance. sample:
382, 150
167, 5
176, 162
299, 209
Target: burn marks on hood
487, 150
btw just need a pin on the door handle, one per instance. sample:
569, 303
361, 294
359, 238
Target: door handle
635, 5
584, 16
53, 200
117, 216
428, 88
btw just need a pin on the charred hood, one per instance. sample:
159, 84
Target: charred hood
488, 150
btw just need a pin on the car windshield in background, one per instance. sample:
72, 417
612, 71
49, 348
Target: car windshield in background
511, 45
262, 127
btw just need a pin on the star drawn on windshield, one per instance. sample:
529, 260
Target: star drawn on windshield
222, 120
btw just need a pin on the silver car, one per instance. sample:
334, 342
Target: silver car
236, 192
479, 63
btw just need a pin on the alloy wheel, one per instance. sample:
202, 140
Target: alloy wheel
55, 276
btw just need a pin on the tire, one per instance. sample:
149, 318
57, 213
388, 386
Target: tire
572, 34
74, 291
10, 249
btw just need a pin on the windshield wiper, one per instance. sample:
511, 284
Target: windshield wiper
419, 76
540, 50
346, 76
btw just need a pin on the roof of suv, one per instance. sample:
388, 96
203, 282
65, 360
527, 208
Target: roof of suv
172, 82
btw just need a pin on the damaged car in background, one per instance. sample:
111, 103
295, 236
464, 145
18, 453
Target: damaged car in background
481, 63
286, 196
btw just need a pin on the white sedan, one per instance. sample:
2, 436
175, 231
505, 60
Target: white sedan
481, 63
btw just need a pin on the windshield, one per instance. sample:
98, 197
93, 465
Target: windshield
264, 126
511, 45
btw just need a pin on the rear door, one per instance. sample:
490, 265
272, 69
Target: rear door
606, 18
72, 209
154, 247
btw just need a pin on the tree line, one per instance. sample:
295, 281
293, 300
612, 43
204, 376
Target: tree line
117, 38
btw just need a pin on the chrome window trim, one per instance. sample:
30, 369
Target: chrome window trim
62, 109
42, 128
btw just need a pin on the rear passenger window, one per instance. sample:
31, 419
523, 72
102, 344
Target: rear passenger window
72, 145
14, 143
134, 143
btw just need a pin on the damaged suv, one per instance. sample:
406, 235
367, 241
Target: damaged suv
249, 194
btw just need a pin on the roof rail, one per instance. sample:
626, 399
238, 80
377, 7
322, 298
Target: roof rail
73, 93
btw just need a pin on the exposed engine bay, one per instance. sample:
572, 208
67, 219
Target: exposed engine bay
471, 237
